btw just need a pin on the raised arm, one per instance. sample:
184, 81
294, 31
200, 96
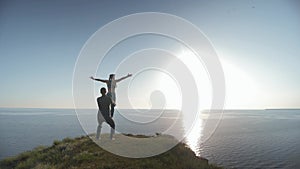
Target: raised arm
122, 78
101, 80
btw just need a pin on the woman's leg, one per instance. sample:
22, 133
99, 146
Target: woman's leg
113, 97
112, 106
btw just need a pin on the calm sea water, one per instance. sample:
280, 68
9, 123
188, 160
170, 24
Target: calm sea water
256, 139
243, 138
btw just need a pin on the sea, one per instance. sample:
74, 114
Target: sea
242, 139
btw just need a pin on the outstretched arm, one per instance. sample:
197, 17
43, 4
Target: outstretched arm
122, 78
101, 80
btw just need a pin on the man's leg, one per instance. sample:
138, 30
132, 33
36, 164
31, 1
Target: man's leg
98, 131
111, 122
100, 121
112, 133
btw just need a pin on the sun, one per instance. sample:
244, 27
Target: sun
200, 75
241, 89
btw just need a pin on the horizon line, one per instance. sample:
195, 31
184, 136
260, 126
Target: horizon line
280, 108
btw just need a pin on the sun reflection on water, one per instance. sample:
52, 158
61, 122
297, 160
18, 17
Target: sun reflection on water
193, 137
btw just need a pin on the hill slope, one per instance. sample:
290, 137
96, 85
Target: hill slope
82, 152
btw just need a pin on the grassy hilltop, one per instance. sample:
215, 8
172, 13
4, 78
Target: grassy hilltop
82, 152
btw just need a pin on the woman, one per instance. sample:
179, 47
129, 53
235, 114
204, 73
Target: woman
111, 86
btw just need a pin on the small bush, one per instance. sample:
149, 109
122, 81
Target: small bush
56, 142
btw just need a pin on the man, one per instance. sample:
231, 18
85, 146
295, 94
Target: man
111, 87
104, 113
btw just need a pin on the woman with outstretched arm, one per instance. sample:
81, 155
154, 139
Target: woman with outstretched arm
111, 86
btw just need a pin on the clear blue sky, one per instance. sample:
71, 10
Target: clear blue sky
40, 42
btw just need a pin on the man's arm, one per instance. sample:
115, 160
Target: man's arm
99, 103
101, 80
122, 78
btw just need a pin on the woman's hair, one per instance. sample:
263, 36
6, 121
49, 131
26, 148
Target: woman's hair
111, 76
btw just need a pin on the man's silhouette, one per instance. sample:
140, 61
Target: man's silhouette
111, 87
104, 114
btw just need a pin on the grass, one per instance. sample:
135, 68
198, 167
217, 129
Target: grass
82, 152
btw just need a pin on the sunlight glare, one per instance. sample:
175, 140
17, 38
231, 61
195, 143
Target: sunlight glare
241, 89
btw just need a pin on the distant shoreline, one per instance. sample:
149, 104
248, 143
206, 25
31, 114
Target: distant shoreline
285, 109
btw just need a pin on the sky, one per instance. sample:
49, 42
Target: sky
256, 41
